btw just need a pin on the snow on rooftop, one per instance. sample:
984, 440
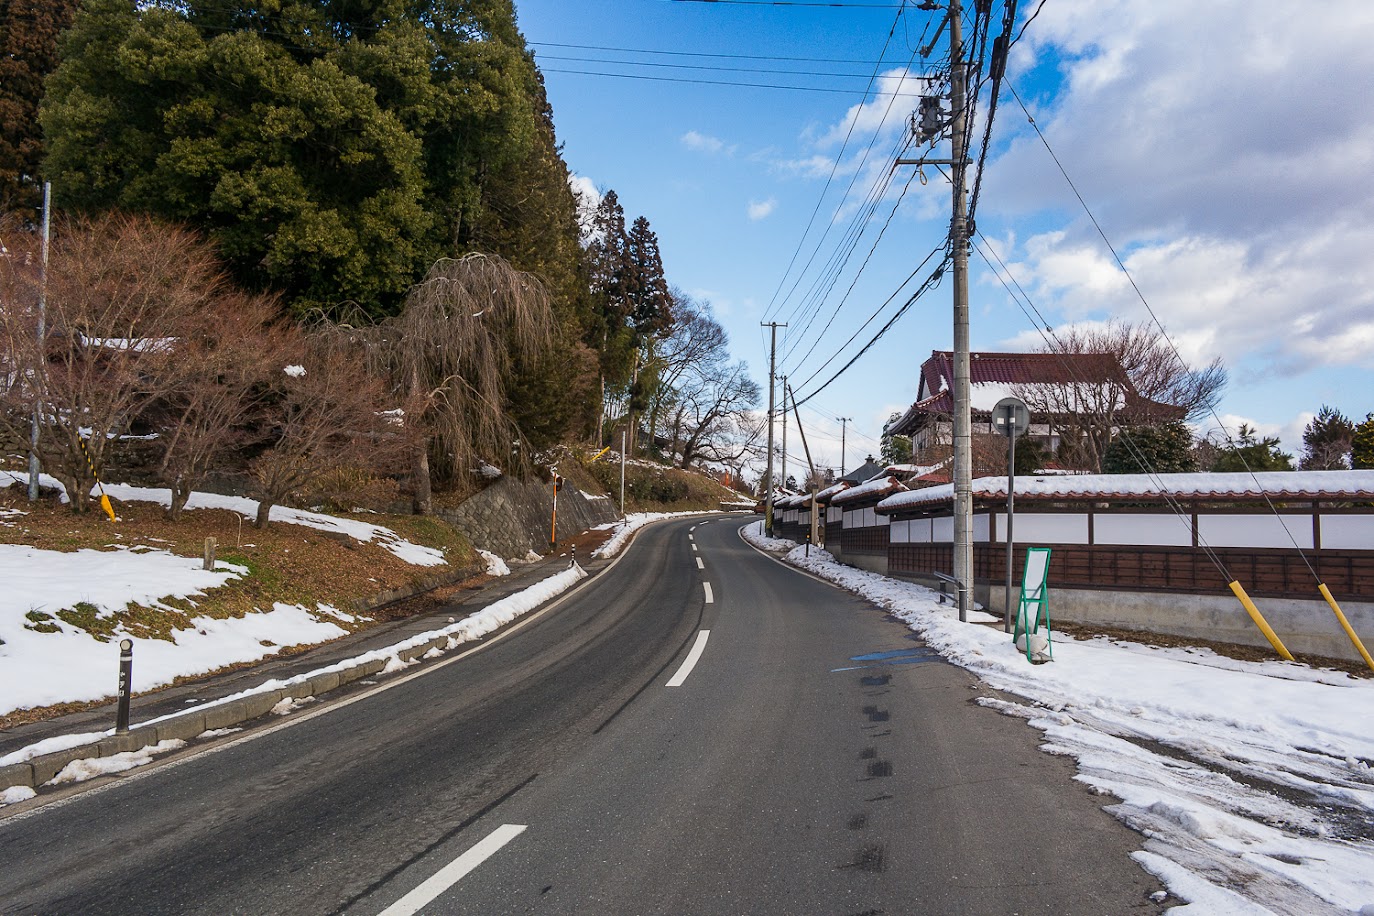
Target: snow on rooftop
880, 484
1273, 484
833, 489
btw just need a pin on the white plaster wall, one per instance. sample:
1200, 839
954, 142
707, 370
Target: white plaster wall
1255, 530
1347, 532
1162, 530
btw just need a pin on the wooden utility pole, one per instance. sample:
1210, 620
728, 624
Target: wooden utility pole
768, 474
782, 475
844, 429
811, 476
958, 246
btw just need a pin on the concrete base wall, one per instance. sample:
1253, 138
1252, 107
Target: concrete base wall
512, 517
876, 563
1306, 627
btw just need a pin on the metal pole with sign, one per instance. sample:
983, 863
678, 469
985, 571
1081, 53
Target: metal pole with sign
126, 678
1011, 416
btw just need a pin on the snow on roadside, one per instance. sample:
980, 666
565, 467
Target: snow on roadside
365, 532
1250, 781
91, 767
495, 565
414, 554
472, 627
71, 665
628, 526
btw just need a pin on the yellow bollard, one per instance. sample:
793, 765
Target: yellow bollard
1260, 622
1345, 624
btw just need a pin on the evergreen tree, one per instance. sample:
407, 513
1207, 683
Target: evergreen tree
1326, 441
1362, 444
651, 304
895, 449
1254, 454
612, 281
28, 53
334, 150
1164, 449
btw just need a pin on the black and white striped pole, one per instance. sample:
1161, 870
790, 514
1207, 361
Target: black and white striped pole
126, 674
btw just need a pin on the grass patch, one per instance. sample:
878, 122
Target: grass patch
86, 616
40, 622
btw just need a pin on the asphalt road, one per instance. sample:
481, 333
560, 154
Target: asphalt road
557, 771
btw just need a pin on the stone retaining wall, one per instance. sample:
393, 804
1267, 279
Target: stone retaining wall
512, 517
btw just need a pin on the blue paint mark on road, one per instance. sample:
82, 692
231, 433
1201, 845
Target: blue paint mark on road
896, 653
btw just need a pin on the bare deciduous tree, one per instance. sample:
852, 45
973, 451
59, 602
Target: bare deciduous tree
712, 416
1113, 375
217, 400
451, 353
121, 291
329, 414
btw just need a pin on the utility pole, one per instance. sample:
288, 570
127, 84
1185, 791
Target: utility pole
844, 428
958, 240
811, 483
772, 375
782, 475
929, 128
42, 343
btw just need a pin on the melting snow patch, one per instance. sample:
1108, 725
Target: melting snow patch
91, 767
15, 794
288, 705
495, 565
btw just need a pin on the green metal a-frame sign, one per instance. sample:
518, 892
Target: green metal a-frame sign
1034, 606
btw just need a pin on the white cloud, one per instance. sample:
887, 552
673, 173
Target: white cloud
1237, 183
588, 199
704, 143
758, 209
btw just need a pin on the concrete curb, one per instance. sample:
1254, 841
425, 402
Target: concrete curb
37, 771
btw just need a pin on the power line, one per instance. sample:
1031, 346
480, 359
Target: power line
876, 312
845, 298
809, 60
877, 131
810, 3
713, 68
701, 82
1159, 324
930, 282
835, 166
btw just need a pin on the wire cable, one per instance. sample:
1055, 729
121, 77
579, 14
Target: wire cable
1162, 330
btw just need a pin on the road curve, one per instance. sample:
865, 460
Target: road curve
677, 737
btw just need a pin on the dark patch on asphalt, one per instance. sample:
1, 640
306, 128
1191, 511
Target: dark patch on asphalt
875, 714
868, 753
876, 680
869, 859
858, 822
879, 768
878, 798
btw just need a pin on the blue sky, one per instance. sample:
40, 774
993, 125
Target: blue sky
1221, 146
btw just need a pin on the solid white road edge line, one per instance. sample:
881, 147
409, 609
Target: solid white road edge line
454, 871
690, 661
700, 565
710, 598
